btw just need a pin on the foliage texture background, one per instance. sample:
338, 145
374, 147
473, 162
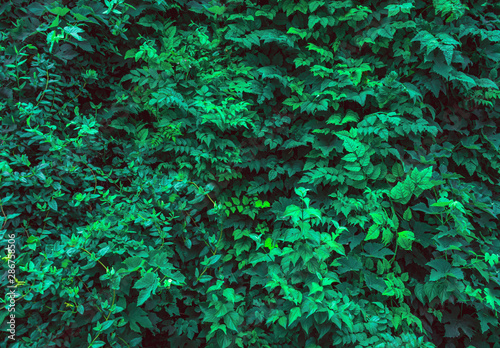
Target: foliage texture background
240, 174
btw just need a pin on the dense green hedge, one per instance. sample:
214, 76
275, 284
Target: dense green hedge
241, 174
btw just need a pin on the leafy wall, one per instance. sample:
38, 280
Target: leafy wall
241, 174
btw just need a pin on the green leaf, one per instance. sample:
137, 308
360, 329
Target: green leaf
442, 269
395, 9
442, 202
53, 204
405, 239
142, 135
378, 218
74, 32
421, 178
315, 287
373, 232
407, 214
374, 282
466, 80
302, 33
144, 295
282, 321
149, 280
133, 263
144, 322
130, 53
485, 320
60, 11
451, 330
232, 320
229, 294
486, 83
387, 236
107, 324
135, 315
351, 145
217, 10
293, 211
301, 191
397, 170
294, 314
308, 212
377, 250
211, 260
223, 340
313, 6
272, 175
402, 192
353, 168
269, 244
337, 247
350, 157
55, 23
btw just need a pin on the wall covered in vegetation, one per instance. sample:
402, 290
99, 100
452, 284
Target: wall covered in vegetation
250, 174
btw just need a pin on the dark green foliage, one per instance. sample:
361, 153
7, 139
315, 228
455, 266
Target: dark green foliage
251, 174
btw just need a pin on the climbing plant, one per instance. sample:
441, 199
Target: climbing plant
250, 174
